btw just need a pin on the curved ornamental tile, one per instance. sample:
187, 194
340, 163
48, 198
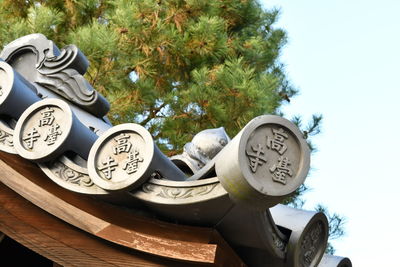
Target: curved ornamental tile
334, 261
16, 95
125, 156
307, 234
49, 128
40, 61
32, 68
267, 161
202, 202
71, 175
179, 193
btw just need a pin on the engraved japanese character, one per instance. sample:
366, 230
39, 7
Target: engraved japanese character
52, 134
309, 255
31, 138
310, 242
256, 158
123, 144
132, 164
277, 143
280, 170
47, 117
108, 167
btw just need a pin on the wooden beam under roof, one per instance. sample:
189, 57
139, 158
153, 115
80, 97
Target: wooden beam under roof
107, 234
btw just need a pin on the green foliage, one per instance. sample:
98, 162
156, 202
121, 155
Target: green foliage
336, 227
200, 64
313, 128
45, 20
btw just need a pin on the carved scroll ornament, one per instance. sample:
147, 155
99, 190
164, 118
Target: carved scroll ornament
40, 61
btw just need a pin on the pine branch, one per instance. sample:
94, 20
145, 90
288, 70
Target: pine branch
153, 113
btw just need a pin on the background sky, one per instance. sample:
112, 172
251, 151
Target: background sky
344, 57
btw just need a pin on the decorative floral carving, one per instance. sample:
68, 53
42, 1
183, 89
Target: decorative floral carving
6, 139
69, 175
278, 242
178, 192
311, 244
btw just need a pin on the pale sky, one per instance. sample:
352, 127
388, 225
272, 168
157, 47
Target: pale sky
344, 57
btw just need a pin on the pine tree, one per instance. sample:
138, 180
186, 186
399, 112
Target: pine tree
176, 67
199, 64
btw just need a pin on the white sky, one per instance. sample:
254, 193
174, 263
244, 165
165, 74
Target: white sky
344, 57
